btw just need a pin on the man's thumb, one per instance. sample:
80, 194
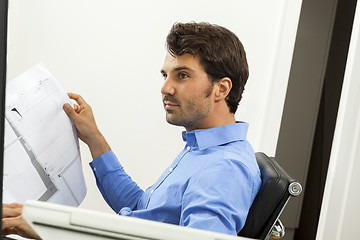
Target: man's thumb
69, 110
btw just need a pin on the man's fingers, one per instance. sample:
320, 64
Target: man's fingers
70, 111
17, 225
9, 231
78, 108
77, 98
14, 223
11, 210
12, 205
10, 223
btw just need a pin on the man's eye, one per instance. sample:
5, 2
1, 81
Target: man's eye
164, 76
183, 75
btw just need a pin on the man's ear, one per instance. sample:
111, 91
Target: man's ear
223, 88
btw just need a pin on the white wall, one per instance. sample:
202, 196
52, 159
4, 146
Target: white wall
111, 52
339, 217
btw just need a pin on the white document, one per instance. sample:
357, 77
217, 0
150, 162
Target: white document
41, 148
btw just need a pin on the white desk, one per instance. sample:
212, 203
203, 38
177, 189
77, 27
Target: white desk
58, 222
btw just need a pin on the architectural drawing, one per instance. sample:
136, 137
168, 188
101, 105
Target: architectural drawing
41, 149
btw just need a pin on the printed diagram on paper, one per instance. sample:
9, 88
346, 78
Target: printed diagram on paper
41, 148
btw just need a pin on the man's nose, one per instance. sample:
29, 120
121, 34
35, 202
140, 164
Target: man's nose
167, 88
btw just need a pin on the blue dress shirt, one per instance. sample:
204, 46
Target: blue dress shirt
210, 185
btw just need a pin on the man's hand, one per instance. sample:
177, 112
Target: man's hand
84, 121
13, 222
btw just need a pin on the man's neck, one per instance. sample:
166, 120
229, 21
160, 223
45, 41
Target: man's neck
214, 121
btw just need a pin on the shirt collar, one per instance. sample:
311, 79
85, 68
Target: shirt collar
206, 138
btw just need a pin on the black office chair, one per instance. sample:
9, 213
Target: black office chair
276, 189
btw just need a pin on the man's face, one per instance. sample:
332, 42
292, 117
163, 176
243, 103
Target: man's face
187, 92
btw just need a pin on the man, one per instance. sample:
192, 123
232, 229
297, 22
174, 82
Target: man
213, 181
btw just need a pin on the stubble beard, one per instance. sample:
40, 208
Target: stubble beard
188, 113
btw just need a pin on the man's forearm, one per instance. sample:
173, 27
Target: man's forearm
98, 146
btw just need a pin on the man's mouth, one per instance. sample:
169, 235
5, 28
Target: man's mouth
170, 105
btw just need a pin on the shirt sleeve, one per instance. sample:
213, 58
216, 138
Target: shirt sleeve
115, 185
219, 198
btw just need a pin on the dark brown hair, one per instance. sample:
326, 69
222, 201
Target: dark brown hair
220, 51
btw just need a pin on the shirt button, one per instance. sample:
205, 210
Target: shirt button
171, 169
188, 148
152, 191
94, 168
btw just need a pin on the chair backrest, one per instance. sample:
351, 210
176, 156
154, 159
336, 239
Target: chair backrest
276, 189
